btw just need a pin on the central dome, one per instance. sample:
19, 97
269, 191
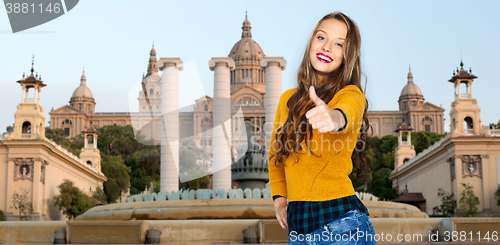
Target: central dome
246, 48
411, 89
83, 91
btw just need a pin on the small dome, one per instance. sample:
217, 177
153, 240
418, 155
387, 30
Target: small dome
246, 48
411, 89
83, 91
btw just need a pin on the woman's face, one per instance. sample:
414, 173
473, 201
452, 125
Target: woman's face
326, 48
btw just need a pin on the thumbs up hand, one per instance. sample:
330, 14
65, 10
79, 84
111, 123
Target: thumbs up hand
321, 117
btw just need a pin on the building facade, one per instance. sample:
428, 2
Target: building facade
31, 163
469, 154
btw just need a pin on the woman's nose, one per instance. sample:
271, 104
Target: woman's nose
326, 48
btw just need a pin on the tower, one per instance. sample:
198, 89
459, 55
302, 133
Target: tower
90, 154
150, 95
405, 150
30, 121
465, 112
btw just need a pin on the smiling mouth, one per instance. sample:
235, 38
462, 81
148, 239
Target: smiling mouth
324, 58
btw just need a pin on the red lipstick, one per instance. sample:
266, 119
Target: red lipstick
324, 58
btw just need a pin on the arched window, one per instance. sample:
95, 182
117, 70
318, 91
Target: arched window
89, 163
26, 128
90, 139
151, 92
468, 125
206, 107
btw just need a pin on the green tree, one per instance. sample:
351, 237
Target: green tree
9, 129
468, 200
99, 194
117, 172
22, 203
76, 145
495, 125
58, 136
421, 142
448, 203
149, 159
139, 180
118, 141
71, 200
381, 156
2, 216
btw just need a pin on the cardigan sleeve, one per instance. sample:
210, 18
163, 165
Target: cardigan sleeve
351, 102
277, 179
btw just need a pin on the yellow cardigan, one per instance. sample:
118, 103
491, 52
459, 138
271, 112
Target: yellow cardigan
319, 178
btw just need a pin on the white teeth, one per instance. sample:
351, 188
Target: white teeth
324, 58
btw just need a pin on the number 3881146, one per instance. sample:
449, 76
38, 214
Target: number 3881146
26, 8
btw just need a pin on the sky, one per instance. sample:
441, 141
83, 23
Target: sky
112, 40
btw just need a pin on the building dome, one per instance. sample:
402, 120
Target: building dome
246, 48
411, 89
82, 91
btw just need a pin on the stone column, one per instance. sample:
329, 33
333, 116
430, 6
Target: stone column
222, 124
486, 183
10, 186
36, 189
273, 67
169, 172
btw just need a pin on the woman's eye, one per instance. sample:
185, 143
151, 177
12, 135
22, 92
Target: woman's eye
321, 38
339, 44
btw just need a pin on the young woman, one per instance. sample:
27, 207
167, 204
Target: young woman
319, 133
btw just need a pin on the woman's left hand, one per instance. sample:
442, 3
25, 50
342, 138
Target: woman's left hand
321, 117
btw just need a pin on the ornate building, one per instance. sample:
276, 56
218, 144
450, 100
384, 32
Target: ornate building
470, 154
32, 163
414, 111
247, 90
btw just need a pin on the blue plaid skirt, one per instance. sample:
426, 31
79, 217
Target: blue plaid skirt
306, 216
352, 227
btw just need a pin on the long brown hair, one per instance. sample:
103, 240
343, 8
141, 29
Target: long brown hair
296, 127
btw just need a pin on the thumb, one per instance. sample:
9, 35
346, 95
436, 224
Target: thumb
314, 98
